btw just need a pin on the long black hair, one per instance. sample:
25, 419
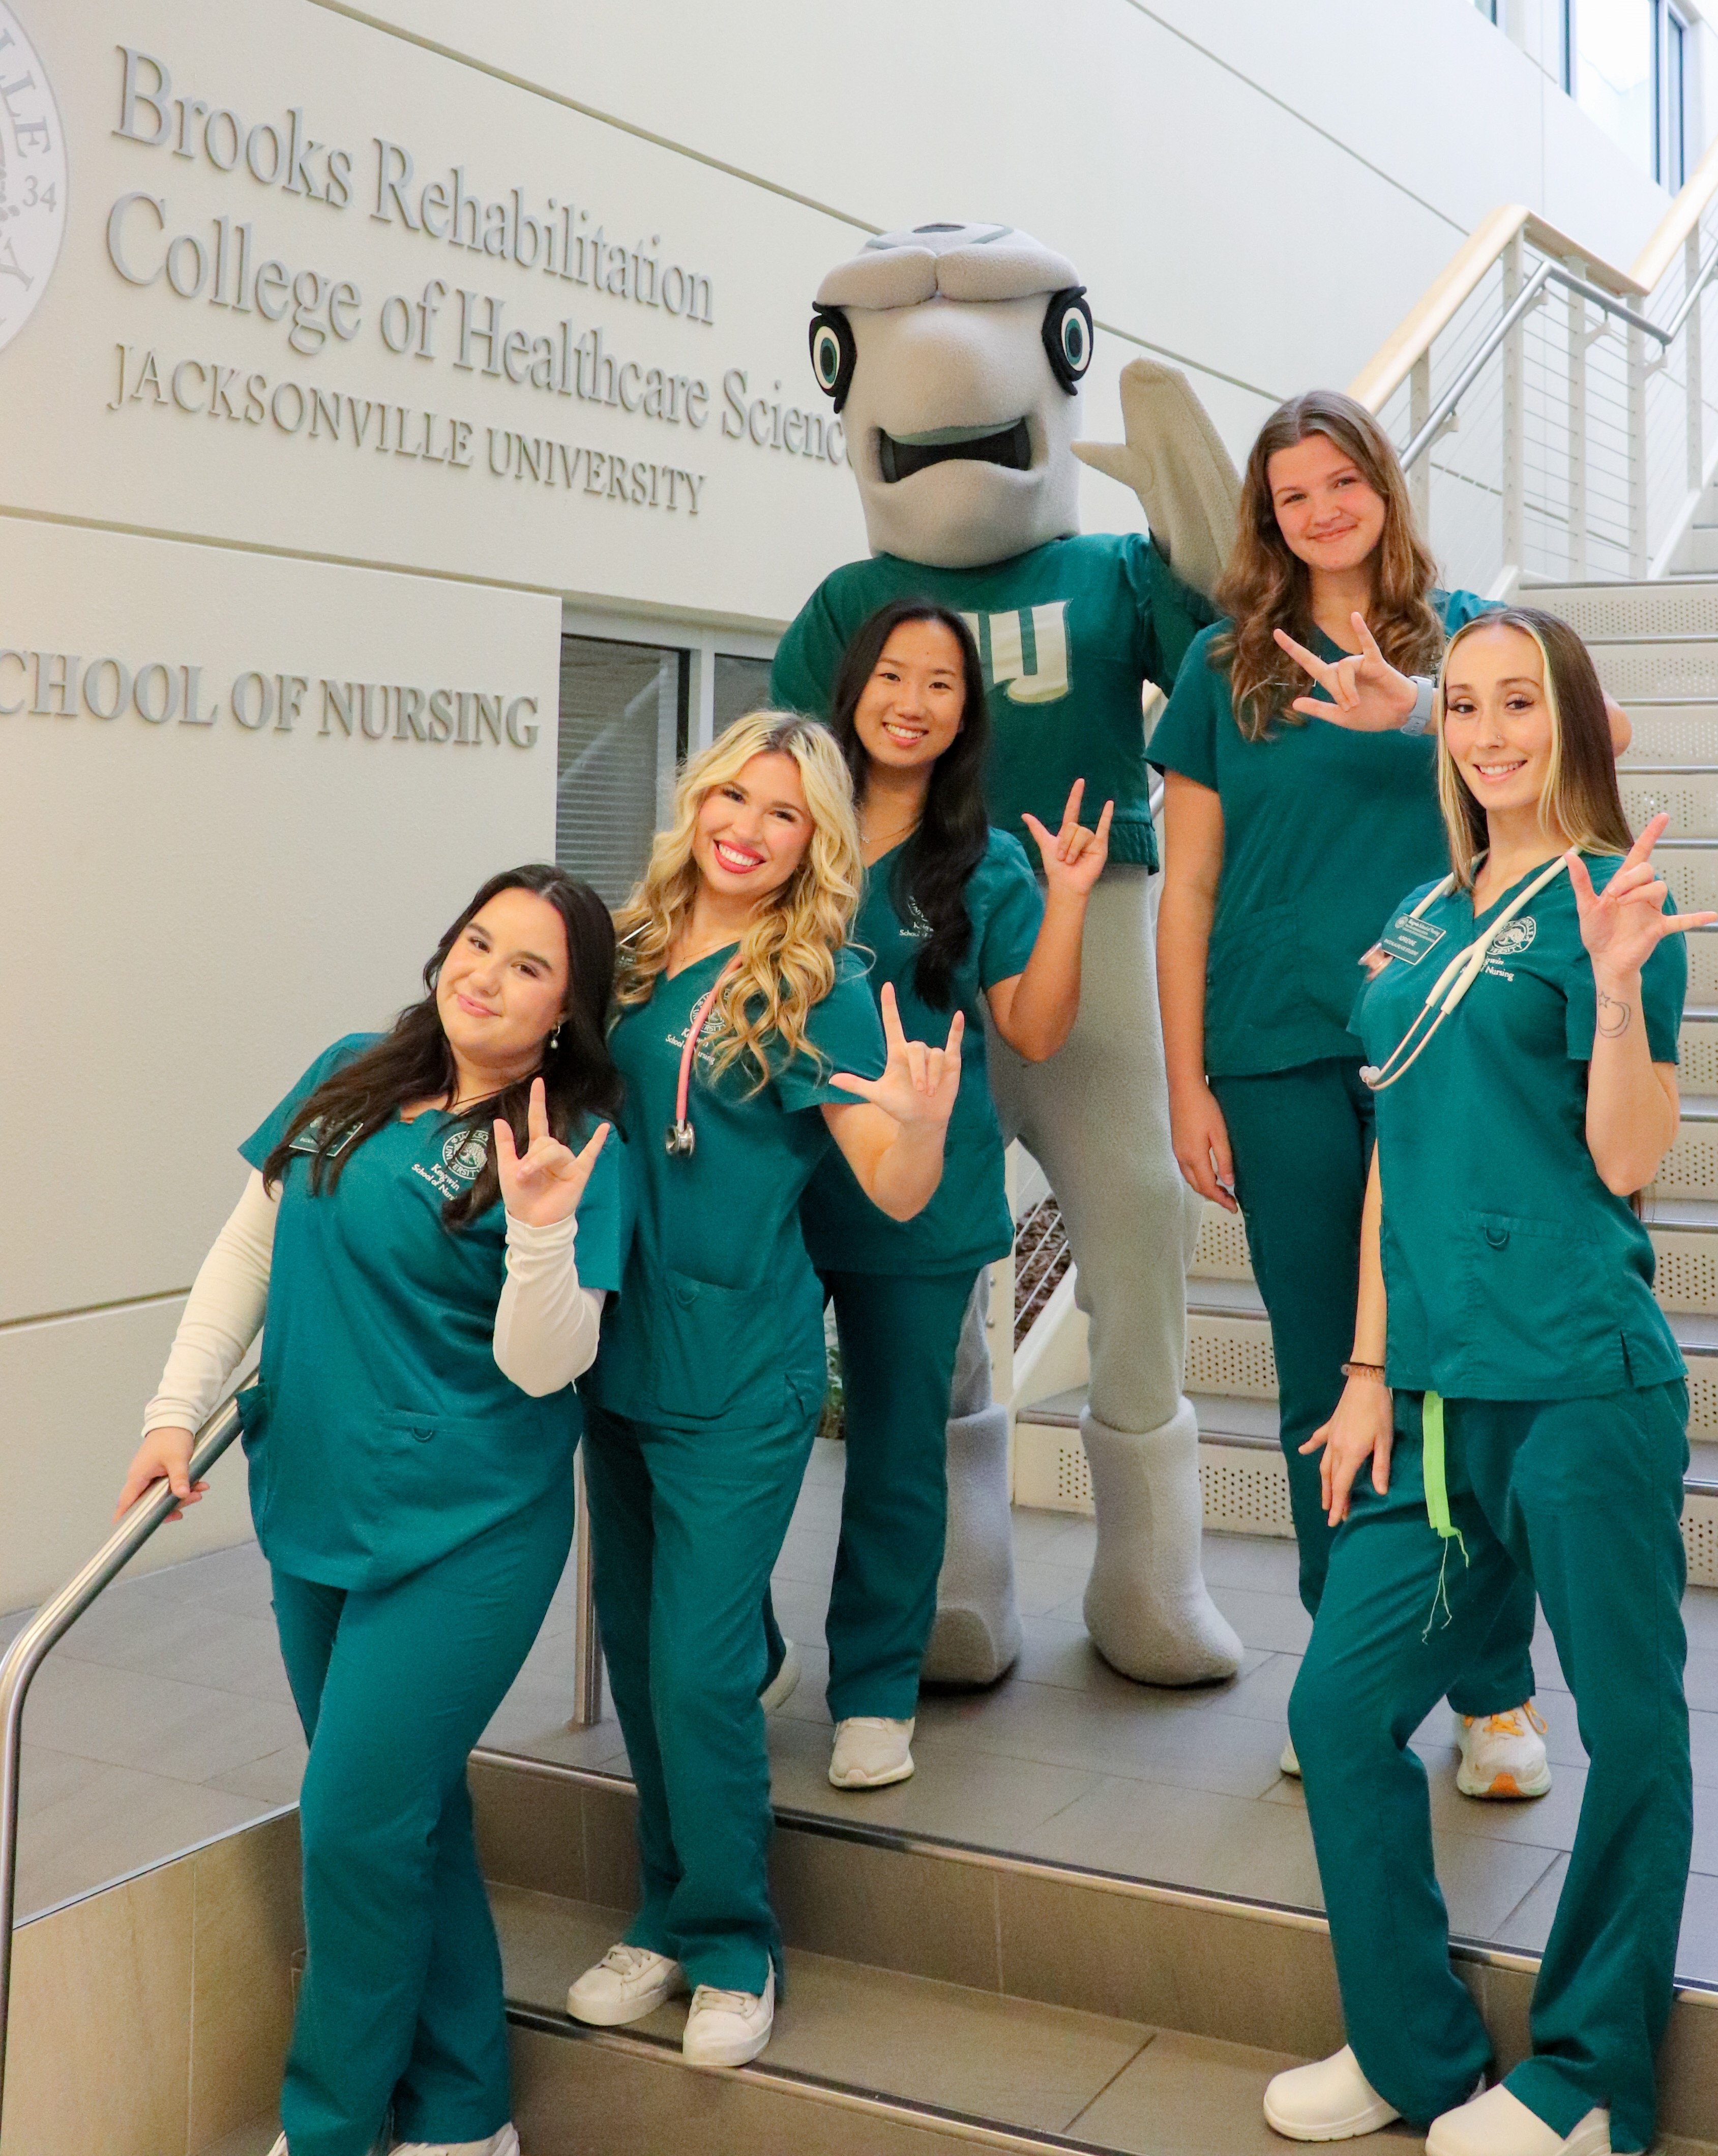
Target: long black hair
931, 870
413, 1061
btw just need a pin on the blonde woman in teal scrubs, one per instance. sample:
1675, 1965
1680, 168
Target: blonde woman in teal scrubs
751, 1048
408, 1230
1520, 1029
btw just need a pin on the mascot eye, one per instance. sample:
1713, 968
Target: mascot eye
1068, 336
832, 354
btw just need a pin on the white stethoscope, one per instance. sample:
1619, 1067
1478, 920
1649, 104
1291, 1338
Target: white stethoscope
1463, 971
680, 1140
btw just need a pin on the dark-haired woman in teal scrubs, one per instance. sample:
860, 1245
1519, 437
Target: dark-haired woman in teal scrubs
431, 1254
1520, 1029
1289, 832
749, 1045
952, 918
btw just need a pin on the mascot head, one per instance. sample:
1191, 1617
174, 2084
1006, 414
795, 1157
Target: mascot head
954, 354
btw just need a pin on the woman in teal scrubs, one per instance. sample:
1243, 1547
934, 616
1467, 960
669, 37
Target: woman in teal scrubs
1521, 1024
1289, 832
952, 918
749, 1045
410, 1438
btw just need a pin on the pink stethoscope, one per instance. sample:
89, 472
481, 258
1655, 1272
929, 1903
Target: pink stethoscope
680, 1140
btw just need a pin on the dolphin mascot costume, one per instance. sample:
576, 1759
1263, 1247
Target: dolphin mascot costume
954, 354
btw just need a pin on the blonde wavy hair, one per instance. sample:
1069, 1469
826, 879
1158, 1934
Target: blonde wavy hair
1579, 800
787, 955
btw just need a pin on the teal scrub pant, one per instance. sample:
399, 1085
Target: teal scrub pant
401, 2006
1583, 1496
685, 1528
899, 1337
1302, 1140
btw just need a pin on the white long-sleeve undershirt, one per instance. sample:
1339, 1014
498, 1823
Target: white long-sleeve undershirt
545, 1323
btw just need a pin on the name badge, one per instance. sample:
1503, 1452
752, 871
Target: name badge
1409, 939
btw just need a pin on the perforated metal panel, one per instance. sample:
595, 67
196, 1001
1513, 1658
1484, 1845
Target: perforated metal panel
1679, 733
1682, 671
1626, 610
1699, 1539
1691, 1168
1697, 1055
1702, 1400
1232, 1356
1073, 1476
1692, 874
1702, 964
1221, 1253
1245, 1492
1688, 1268
1691, 802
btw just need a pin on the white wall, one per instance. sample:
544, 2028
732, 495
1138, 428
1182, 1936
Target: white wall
192, 910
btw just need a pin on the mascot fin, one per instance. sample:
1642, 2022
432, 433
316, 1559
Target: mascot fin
1175, 461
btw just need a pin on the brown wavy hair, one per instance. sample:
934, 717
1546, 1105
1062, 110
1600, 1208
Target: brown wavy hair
1579, 802
1266, 587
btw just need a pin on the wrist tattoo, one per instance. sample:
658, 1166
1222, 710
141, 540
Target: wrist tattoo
1613, 1016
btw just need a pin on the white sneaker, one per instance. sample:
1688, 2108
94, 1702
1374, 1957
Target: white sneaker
1330, 2100
279, 2147
1503, 1755
628, 1984
505, 2143
727, 2028
782, 1686
870, 1751
1500, 2124
1289, 1764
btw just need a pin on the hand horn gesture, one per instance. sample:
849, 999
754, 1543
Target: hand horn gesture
1367, 693
1623, 924
918, 1082
544, 1184
1074, 857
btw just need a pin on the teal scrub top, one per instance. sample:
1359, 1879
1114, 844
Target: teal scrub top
722, 1317
1512, 1273
1068, 633
967, 1223
1322, 828
380, 1434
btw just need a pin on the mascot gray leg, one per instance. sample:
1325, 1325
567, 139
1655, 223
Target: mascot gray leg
976, 1637
1096, 1119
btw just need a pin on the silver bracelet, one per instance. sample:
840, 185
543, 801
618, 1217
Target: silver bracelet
1425, 692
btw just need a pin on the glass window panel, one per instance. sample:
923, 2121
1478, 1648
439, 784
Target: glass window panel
1613, 72
742, 687
1675, 152
623, 728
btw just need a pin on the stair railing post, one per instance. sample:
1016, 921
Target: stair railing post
586, 1645
1693, 369
1576, 335
1419, 410
1638, 558
1514, 432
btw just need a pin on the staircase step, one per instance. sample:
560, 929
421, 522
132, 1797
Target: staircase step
1610, 612
1675, 733
942, 1996
1689, 795
1683, 668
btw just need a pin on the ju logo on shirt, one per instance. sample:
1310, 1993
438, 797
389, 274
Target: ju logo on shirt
1024, 653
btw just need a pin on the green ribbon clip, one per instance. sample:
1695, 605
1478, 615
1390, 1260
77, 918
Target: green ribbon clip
1432, 1468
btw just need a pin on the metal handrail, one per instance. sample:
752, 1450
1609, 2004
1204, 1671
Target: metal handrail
50, 1624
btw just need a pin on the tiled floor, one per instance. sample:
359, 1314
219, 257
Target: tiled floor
164, 1717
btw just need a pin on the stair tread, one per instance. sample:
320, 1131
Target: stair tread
981, 2057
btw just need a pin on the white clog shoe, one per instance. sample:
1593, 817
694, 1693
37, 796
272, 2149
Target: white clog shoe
1330, 2100
504, 2142
782, 1687
870, 1752
728, 2028
628, 1984
1290, 1763
1500, 2124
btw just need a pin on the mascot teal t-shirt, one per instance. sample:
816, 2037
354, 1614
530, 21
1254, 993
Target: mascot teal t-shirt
1067, 633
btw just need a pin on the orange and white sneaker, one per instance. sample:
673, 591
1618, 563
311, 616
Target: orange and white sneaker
1503, 1755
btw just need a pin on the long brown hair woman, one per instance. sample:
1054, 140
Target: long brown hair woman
1292, 822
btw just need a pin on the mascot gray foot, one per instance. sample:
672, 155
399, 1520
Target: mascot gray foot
1147, 1608
976, 1636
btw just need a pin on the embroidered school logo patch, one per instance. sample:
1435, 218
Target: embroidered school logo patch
1516, 938
1024, 653
463, 1153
